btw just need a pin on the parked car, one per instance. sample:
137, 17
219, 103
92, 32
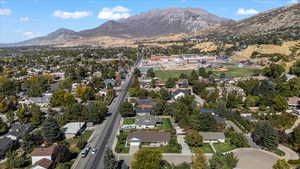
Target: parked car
85, 151
94, 150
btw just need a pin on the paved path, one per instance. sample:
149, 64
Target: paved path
296, 124
289, 154
185, 148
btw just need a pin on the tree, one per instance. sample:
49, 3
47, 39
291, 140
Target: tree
62, 98
15, 161
109, 160
199, 160
164, 94
62, 154
126, 110
295, 69
97, 112
202, 72
194, 75
220, 161
36, 115
295, 136
203, 122
279, 103
51, 131
31, 141
137, 72
194, 139
3, 127
281, 164
146, 159
22, 114
65, 84
170, 83
150, 73
274, 71
265, 135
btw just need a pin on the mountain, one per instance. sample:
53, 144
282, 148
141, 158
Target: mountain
159, 22
273, 26
148, 24
57, 37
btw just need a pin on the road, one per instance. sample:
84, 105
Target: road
104, 134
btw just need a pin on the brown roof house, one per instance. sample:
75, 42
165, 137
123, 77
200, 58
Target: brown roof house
293, 101
43, 163
148, 138
41, 153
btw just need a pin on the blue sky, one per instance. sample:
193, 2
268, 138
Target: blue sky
25, 19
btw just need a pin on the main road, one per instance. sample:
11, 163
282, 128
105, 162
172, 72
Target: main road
104, 134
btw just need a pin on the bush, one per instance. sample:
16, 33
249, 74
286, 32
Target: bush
81, 143
237, 139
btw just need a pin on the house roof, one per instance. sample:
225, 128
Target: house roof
144, 110
149, 136
293, 100
47, 151
146, 119
73, 128
212, 135
5, 143
45, 163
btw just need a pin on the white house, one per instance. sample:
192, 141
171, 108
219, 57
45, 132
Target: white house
213, 137
41, 153
42, 164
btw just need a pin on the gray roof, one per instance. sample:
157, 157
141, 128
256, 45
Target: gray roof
73, 128
149, 136
146, 120
41, 100
212, 135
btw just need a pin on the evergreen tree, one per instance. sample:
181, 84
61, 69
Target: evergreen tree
265, 135
51, 131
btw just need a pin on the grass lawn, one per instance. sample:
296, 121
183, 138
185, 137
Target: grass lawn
165, 74
223, 147
128, 121
231, 72
121, 144
206, 148
279, 152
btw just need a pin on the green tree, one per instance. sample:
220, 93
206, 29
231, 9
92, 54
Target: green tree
295, 136
126, 110
31, 141
279, 103
150, 73
36, 115
97, 112
194, 139
51, 131
147, 159
137, 72
199, 160
203, 73
62, 98
22, 114
109, 160
170, 83
203, 122
281, 164
3, 127
15, 161
65, 84
220, 161
295, 69
265, 135
274, 71
194, 75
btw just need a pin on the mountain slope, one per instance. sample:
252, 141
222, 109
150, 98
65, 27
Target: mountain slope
280, 24
159, 22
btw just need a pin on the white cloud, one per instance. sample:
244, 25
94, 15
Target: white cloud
242, 11
71, 15
24, 19
31, 34
293, 1
5, 12
115, 13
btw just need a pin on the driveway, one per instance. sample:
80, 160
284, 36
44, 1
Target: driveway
289, 131
250, 158
289, 154
185, 148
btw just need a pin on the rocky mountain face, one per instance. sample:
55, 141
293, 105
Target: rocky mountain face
152, 23
280, 24
159, 22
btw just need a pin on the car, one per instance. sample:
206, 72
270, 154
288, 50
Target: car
94, 150
85, 151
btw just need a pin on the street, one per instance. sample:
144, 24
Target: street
104, 134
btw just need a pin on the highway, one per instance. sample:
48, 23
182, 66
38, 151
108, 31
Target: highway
104, 134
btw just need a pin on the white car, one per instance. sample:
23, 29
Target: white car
94, 150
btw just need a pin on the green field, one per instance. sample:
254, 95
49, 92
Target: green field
128, 121
231, 72
223, 147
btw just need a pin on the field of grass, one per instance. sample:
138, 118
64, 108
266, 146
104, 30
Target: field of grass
230, 72
128, 121
223, 147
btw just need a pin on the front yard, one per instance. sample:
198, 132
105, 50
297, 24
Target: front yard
224, 147
121, 143
128, 121
206, 148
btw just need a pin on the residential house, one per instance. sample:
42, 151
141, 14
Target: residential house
182, 83
43, 163
213, 137
18, 130
43, 101
146, 121
178, 93
73, 129
148, 138
294, 102
43, 152
110, 83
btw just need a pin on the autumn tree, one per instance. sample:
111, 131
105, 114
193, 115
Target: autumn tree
194, 139
147, 159
281, 164
199, 160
